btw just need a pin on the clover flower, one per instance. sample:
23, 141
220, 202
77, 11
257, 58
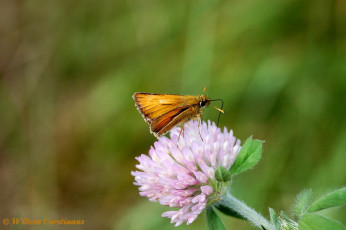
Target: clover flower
181, 173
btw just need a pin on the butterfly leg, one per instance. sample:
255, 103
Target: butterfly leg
181, 130
199, 123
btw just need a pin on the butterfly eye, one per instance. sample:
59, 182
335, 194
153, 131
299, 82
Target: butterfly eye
202, 103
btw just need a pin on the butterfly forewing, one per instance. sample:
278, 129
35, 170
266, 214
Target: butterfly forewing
163, 111
152, 106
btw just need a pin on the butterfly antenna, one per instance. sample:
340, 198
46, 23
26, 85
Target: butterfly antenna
220, 110
205, 88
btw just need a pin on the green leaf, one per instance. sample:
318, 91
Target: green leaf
289, 222
222, 174
214, 221
333, 199
248, 156
274, 219
303, 202
318, 222
228, 211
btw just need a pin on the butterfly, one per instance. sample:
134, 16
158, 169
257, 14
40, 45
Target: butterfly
164, 111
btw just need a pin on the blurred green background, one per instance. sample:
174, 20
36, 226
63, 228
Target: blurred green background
69, 131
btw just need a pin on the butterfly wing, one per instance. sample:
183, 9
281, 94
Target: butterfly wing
152, 106
166, 122
163, 111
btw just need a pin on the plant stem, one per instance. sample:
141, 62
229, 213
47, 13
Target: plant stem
243, 210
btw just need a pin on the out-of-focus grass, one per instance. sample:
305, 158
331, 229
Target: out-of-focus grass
69, 129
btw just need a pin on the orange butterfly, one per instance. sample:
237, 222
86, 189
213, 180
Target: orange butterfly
164, 111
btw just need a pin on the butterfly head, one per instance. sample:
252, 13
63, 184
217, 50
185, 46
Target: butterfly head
204, 101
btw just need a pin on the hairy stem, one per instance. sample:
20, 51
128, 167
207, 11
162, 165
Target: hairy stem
243, 210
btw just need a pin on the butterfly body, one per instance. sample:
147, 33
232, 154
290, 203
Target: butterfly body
164, 111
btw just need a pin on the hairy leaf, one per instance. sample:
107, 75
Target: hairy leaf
318, 222
333, 199
248, 156
274, 219
214, 221
303, 202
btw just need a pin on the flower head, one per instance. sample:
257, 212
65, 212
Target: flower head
181, 173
